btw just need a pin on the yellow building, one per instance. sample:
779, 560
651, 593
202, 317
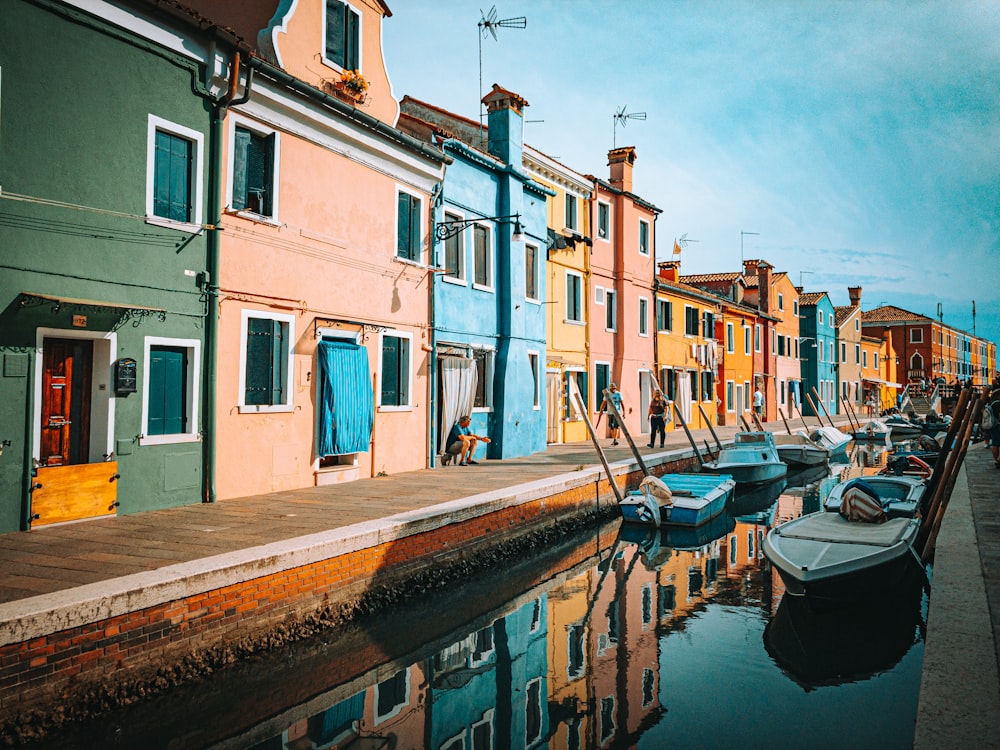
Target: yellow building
735, 330
687, 352
567, 269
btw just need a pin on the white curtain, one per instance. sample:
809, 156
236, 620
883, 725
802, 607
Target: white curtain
684, 396
458, 391
574, 408
553, 405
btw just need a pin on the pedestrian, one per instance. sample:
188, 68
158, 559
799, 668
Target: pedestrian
990, 423
758, 402
657, 424
616, 397
462, 442
870, 405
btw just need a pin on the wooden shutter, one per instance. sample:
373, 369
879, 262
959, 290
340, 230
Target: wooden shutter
241, 151
390, 371
336, 41
403, 225
352, 22
266, 362
172, 177
482, 259
167, 391
530, 271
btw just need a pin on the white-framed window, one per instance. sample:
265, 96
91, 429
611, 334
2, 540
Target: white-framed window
531, 277
610, 311
454, 253
485, 365
253, 169
533, 711
171, 385
730, 402
664, 315
781, 301
482, 731
746, 340
267, 342
833, 353
571, 218
843, 351
482, 257
392, 696
691, 320
916, 335
534, 363
822, 357
643, 316
857, 324
603, 220
875, 360
395, 367
643, 237
409, 225
857, 354
602, 379
730, 338
756, 337
819, 313
864, 359
795, 308
574, 297
746, 395
175, 158
599, 295
342, 36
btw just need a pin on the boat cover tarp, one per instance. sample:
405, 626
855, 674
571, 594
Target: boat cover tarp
859, 501
830, 527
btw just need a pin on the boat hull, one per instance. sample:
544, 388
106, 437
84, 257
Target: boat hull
760, 473
832, 562
696, 500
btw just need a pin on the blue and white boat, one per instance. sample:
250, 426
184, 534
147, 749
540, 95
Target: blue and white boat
751, 459
899, 496
831, 438
693, 499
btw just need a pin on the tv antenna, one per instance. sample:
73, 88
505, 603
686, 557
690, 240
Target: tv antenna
681, 243
488, 22
621, 116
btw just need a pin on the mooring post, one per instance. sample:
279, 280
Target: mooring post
600, 451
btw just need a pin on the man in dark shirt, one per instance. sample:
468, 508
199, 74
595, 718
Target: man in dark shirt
462, 443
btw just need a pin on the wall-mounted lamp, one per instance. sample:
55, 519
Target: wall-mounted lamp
445, 229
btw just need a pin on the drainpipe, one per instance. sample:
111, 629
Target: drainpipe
211, 284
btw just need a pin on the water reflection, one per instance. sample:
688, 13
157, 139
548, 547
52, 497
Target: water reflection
618, 638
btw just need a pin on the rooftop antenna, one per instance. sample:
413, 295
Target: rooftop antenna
621, 116
742, 235
973, 317
488, 22
681, 243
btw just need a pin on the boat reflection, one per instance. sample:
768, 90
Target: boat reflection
845, 645
758, 499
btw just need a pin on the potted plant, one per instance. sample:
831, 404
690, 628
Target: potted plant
352, 85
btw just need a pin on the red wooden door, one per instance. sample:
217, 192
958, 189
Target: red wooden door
65, 415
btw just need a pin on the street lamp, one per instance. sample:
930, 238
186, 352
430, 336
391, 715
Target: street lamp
445, 229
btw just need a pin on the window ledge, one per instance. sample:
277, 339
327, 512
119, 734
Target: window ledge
532, 301
185, 437
409, 262
390, 409
264, 409
483, 288
180, 226
255, 218
454, 280
574, 322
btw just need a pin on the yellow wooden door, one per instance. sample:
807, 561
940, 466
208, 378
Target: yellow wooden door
71, 493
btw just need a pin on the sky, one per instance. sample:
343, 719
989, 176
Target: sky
859, 140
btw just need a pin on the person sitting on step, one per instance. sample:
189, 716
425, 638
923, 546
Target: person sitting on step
462, 442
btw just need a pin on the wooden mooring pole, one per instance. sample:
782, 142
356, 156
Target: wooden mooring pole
710, 427
782, 413
823, 407
600, 451
628, 437
849, 411
687, 432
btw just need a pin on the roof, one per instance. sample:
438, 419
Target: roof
709, 278
892, 314
807, 299
844, 312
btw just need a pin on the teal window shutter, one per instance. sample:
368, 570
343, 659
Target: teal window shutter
241, 151
395, 371
172, 165
408, 227
167, 406
343, 32
266, 362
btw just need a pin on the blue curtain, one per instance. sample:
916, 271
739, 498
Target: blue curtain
347, 404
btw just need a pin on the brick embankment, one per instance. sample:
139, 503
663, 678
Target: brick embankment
128, 629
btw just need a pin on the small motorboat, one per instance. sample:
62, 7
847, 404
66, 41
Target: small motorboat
751, 459
874, 430
658, 545
832, 561
902, 429
899, 496
689, 500
832, 439
798, 451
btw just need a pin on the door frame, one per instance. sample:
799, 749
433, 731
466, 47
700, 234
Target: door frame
102, 401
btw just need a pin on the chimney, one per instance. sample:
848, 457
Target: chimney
621, 161
669, 270
855, 294
505, 124
764, 286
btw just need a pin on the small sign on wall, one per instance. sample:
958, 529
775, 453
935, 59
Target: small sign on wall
79, 321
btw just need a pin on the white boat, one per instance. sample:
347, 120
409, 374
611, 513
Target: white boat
691, 500
874, 430
899, 495
902, 428
797, 450
831, 561
831, 438
751, 459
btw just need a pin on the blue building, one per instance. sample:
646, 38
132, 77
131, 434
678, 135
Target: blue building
488, 289
818, 350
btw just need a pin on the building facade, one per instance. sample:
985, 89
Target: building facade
818, 352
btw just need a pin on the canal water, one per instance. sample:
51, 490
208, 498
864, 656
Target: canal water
616, 638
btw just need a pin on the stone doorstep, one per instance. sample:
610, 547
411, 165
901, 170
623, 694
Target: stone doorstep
42, 615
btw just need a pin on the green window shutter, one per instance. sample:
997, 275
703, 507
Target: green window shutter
172, 177
265, 362
241, 150
336, 41
391, 355
403, 225
167, 407
279, 362
352, 22
414, 228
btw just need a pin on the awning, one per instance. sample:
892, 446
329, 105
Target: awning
125, 311
881, 382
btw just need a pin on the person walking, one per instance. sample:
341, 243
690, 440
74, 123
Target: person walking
758, 402
615, 395
657, 423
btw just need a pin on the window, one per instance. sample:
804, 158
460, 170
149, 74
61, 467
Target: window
643, 316
781, 346
602, 377
610, 311
864, 359
533, 711
603, 221
531, 271
667, 382
342, 34
266, 361
664, 315
533, 362
174, 173
833, 353
648, 687
693, 376
392, 695
454, 251
843, 351
408, 229
707, 324
756, 337
598, 295
795, 308
781, 301
395, 369
916, 335
875, 360
570, 211
796, 349
857, 354
484, 381
746, 340
820, 314
483, 257
690, 321
707, 385
574, 297
643, 237
820, 347
730, 338
857, 325
746, 395
575, 380
255, 178
730, 403
170, 390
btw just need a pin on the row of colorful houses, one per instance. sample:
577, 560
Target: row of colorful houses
234, 263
